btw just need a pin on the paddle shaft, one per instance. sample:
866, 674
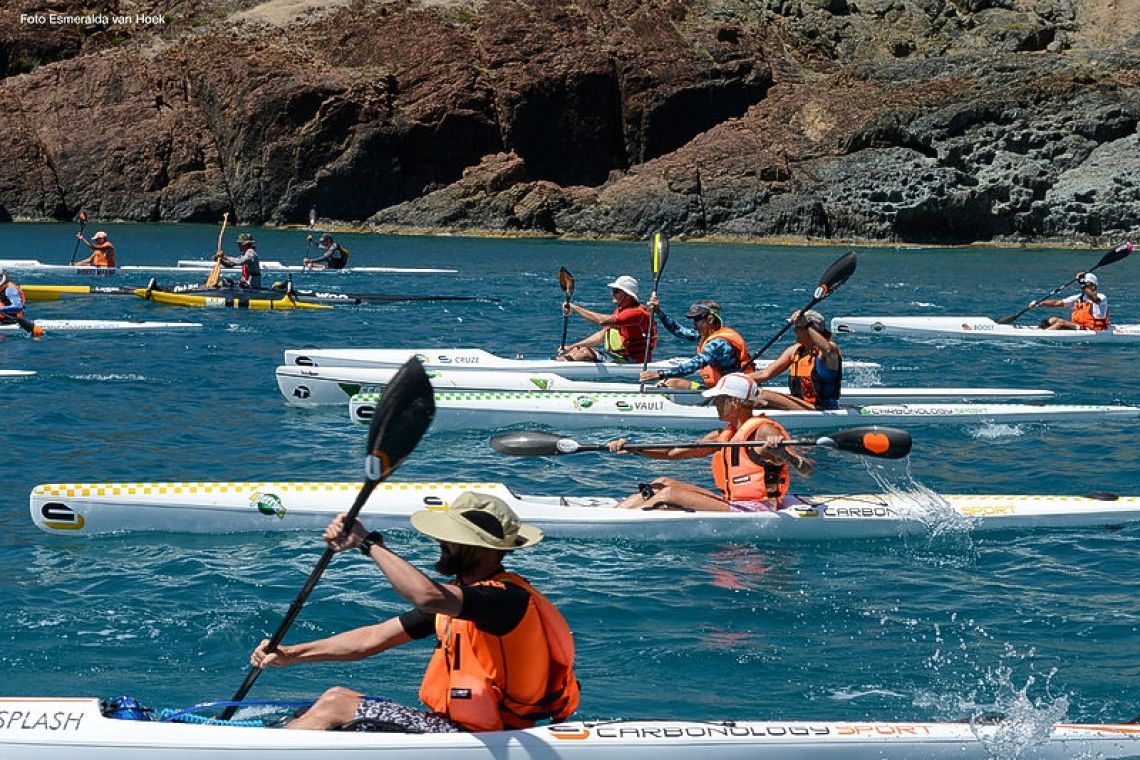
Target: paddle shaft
26, 325
82, 224
659, 254
566, 280
700, 445
303, 596
216, 272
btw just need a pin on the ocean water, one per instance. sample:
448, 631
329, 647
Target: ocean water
937, 627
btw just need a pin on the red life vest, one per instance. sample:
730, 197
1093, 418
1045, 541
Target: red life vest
632, 339
1083, 315
487, 683
711, 374
741, 474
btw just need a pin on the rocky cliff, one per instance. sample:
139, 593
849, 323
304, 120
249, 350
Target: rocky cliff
928, 121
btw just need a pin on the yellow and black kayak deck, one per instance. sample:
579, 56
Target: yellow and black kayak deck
235, 301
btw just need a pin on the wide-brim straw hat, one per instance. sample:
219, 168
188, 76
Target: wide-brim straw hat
476, 519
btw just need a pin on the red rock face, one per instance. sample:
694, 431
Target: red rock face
813, 118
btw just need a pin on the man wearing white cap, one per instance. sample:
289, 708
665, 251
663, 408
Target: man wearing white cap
814, 365
504, 655
102, 251
750, 479
1090, 307
627, 335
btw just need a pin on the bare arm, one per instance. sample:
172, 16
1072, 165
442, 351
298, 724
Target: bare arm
593, 316
827, 348
688, 452
776, 367
350, 645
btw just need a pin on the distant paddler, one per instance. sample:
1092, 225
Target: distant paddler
248, 260
720, 350
814, 364
102, 251
750, 479
333, 254
12, 302
1090, 307
628, 335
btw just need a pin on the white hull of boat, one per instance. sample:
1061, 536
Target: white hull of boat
977, 328
189, 267
87, 509
277, 266
15, 373
56, 728
477, 359
86, 325
462, 410
321, 386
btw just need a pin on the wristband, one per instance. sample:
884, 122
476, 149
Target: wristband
375, 538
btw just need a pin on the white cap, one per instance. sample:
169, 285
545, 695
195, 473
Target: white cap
625, 283
99, 234
737, 385
1088, 278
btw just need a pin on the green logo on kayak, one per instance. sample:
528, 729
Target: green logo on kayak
877, 327
540, 383
268, 504
583, 402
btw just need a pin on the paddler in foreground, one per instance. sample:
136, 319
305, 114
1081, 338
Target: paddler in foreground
12, 302
504, 654
1090, 307
102, 251
750, 479
720, 350
628, 335
814, 364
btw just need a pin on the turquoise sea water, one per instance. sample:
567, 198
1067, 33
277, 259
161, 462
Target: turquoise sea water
1045, 624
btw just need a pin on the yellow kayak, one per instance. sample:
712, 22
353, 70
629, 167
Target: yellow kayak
55, 292
236, 301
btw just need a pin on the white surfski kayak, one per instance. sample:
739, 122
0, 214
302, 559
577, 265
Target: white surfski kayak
112, 325
460, 410
88, 509
14, 373
477, 359
188, 267
317, 386
977, 328
277, 266
47, 728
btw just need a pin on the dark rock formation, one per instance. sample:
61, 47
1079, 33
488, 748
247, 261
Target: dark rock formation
932, 121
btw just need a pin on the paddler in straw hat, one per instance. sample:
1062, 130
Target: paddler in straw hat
504, 657
627, 335
750, 479
248, 260
102, 251
814, 364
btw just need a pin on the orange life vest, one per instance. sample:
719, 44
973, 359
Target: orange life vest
711, 374
103, 255
1083, 316
487, 683
741, 474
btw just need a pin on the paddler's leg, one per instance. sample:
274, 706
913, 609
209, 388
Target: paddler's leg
579, 354
335, 707
776, 400
666, 493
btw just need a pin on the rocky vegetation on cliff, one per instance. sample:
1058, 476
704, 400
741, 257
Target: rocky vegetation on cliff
930, 121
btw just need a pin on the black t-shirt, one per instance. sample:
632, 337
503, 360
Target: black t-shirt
493, 609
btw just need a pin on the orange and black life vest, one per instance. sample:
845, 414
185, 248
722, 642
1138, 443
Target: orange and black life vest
1083, 315
103, 255
806, 382
741, 474
485, 682
710, 374
7, 301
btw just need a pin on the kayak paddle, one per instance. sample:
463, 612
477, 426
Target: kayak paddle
566, 282
883, 442
836, 274
399, 421
27, 325
82, 224
1116, 254
658, 255
215, 273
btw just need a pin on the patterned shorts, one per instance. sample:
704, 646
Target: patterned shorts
405, 718
750, 506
